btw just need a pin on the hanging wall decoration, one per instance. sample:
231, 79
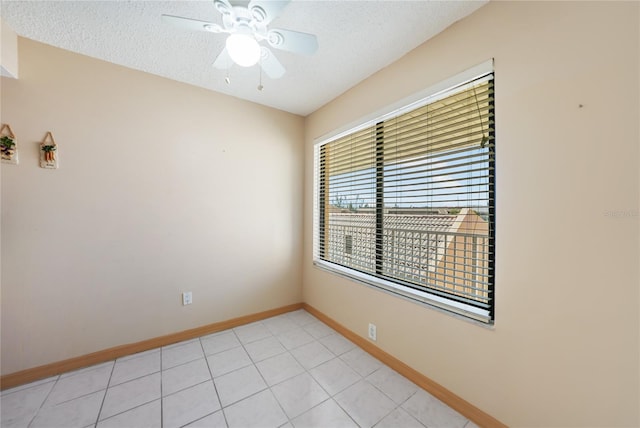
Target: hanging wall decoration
8, 145
48, 152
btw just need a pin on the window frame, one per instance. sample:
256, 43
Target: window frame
396, 286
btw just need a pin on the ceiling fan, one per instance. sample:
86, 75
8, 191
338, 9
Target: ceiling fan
247, 26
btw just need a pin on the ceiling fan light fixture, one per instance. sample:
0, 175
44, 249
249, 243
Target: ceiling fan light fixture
243, 49
246, 24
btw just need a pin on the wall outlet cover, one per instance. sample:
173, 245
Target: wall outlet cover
373, 334
187, 298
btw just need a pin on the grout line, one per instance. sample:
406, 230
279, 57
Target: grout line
43, 401
366, 378
205, 416
79, 396
345, 410
128, 410
25, 387
224, 414
187, 387
78, 372
215, 388
104, 398
308, 373
330, 396
268, 388
134, 378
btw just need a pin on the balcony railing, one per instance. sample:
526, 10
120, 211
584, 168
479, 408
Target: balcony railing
451, 263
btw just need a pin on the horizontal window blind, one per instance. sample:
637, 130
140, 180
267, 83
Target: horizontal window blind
408, 201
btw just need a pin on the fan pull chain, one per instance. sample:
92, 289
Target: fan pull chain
260, 87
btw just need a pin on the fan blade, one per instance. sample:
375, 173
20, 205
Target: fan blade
193, 24
223, 6
265, 11
270, 64
293, 41
223, 61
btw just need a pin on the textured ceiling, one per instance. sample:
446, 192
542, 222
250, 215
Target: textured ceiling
356, 38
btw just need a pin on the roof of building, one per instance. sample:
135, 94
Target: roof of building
431, 222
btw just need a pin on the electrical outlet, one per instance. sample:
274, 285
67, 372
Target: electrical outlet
187, 298
373, 335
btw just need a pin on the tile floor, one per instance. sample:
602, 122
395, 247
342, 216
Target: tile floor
287, 371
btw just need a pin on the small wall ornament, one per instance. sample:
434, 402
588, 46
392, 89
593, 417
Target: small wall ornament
8, 145
48, 152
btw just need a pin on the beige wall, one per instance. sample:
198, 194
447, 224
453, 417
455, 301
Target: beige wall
162, 188
567, 217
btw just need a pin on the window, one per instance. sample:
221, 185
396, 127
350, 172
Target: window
406, 202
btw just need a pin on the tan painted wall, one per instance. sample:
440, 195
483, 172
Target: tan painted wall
567, 217
162, 188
